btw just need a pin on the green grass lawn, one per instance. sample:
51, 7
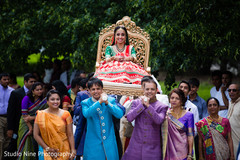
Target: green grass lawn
20, 80
203, 91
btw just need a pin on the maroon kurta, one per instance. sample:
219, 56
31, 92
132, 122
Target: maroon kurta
145, 142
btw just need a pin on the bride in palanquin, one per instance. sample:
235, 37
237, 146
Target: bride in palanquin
120, 64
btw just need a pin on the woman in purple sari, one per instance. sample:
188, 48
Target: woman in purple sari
178, 129
33, 101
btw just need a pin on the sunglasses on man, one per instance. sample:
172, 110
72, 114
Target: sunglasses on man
232, 90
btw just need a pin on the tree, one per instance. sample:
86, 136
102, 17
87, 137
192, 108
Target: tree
62, 28
185, 35
189, 35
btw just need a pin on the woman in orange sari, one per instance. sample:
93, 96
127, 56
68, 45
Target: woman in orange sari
53, 130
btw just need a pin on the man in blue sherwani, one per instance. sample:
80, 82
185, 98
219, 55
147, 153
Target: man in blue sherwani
100, 142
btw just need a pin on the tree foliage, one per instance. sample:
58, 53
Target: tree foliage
185, 35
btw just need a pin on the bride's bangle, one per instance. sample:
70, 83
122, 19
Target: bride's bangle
133, 59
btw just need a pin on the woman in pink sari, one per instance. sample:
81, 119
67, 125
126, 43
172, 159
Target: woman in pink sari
178, 130
215, 141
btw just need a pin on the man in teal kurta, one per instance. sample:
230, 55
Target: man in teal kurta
100, 142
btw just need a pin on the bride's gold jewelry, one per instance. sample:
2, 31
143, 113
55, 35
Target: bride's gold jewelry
132, 59
112, 58
120, 50
121, 29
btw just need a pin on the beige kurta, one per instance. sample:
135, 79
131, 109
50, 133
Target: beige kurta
234, 119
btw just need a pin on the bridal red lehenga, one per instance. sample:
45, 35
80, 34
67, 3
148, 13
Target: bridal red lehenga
120, 72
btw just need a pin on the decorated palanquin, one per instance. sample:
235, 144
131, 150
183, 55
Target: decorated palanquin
140, 40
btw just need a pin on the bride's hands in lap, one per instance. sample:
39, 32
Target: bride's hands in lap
119, 58
122, 58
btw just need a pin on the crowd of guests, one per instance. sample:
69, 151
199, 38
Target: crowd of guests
69, 116
19, 107
48, 123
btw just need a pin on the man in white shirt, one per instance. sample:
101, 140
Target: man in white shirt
5, 92
219, 91
185, 87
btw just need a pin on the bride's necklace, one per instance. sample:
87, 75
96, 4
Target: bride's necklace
120, 50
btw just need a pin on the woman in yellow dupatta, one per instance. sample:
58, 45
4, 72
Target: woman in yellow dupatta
53, 130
